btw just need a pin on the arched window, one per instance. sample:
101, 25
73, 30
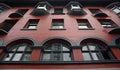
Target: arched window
117, 41
95, 51
56, 51
18, 52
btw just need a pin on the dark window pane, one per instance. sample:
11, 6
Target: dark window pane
58, 10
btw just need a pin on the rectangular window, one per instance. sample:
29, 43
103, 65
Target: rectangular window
58, 10
57, 24
6, 26
83, 24
107, 23
32, 24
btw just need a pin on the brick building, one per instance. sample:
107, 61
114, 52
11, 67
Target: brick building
60, 34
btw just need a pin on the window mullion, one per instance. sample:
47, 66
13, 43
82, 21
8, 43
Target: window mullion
14, 53
90, 52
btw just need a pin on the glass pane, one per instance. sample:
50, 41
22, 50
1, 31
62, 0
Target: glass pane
57, 27
92, 47
26, 57
14, 48
65, 49
83, 27
28, 49
21, 48
46, 57
116, 10
95, 57
56, 47
56, 56
32, 27
66, 57
86, 56
7, 57
17, 57
84, 48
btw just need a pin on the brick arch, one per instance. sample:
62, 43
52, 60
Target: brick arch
113, 42
92, 37
35, 43
58, 37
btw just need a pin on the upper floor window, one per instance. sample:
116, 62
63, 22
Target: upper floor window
4, 7
18, 52
32, 24
57, 24
95, 51
107, 23
6, 26
56, 51
58, 10
75, 7
83, 24
116, 9
18, 13
41, 8
98, 13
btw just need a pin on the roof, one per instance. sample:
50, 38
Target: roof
58, 2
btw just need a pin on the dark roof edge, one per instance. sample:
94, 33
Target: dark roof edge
57, 2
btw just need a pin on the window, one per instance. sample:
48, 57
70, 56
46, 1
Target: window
18, 52
56, 51
94, 11
3, 7
18, 13
83, 24
6, 26
32, 24
43, 8
116, 9
57, 24
98, 13
75, 7
58, 10
95, 51
107, 23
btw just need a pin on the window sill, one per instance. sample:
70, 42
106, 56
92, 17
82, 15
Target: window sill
57, 29
61, 62
86, 28
28, 29
58, 13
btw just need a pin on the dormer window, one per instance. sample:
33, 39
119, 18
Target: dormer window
75, 7
44, 7
115, 7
